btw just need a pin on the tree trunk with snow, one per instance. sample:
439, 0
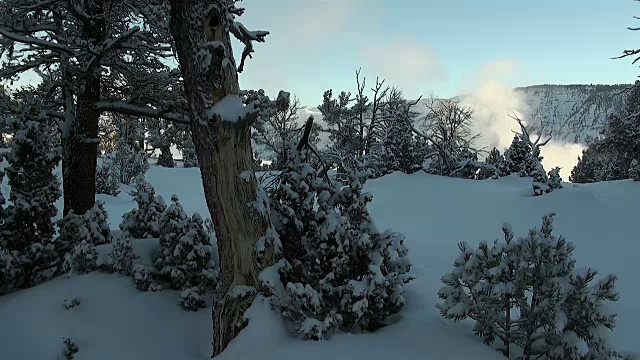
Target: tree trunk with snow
201, 32
80, 138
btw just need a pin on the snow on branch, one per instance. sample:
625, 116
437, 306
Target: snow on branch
33, 41
109, 44
525, 134
126, 108
231, 109
9, 71
247, 37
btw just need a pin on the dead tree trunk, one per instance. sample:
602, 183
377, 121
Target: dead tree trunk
200, 29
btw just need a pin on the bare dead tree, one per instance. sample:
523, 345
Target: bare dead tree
221, 132
353, 123
447, 128
279, 128
536, 144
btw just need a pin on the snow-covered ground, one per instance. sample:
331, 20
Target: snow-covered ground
116, 321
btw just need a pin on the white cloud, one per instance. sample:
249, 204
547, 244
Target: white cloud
493, 96
562, 155
494, 100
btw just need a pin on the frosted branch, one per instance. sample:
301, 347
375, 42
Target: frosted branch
126, 108
33, 41
247, 37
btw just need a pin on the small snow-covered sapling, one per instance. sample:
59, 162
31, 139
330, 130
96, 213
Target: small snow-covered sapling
191, 300
70, 348
143, 276
69, 304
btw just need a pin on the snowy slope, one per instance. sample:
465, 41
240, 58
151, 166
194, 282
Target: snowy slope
115, 321
572, 111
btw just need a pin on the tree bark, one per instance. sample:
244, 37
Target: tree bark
80, 140
80, 154
224, 152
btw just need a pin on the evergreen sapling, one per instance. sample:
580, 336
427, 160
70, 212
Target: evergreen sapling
527, 294
28, 229
144, 221
338, 270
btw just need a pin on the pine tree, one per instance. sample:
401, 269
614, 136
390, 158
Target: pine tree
340, 271
555, 181
83, 257
93, 227
186, 256
540, 180
527, 293
122, 256
172, 226
471, 291
516, 155
609, 157
107, 180
143, 276
185, 250
74, 73
189, 156
144, 221
497, 166
28, 230
399, 148
98, 221
80, 234
585, 169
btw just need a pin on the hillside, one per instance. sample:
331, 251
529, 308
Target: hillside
571, 111
115, 321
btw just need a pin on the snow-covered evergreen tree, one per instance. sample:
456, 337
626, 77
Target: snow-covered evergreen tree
399, 149
144, 221
143, 276
28, 230
191, 299
188, 150
609, 157
532, 167
527, 293
597, 163
496, 166
555, 181
98, 221
634, 170
173, 224
122, 256
516, 154
340, 271
83, 257
93, 227
107, 180
185, 251
79, 234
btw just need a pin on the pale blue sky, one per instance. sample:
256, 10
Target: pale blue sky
442, 47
